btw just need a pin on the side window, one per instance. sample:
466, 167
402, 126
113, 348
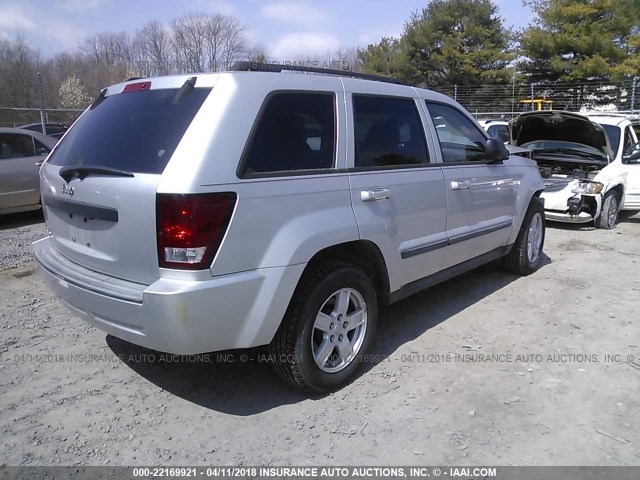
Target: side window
460, 140
15, 146
295, 131
628, 139
41, 149
388, 132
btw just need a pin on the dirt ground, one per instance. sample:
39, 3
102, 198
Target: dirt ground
487, 369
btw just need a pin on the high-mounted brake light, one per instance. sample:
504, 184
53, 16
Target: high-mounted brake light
191, 227
137, 87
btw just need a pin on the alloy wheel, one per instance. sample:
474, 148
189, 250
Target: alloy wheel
339, 329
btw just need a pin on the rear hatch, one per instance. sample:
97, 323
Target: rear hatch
99, 184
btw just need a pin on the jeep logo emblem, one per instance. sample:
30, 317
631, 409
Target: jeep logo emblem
67, 190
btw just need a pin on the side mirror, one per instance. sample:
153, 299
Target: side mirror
495, 151
632, 155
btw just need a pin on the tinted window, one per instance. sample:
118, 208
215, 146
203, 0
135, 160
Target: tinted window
15, 146
136, 131
628, 139
613, 133
460, 140
41, 149
388, 132
50, 127
295, 131
501, 132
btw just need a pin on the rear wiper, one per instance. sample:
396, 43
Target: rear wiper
570, 151
82, 172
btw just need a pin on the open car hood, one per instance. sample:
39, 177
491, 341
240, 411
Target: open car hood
554, 125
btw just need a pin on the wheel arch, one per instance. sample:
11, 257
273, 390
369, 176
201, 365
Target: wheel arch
362, 253
535, 196
619, 188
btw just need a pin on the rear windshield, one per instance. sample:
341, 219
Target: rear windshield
135, 131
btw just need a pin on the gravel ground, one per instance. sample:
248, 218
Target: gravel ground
549, 396
17, 233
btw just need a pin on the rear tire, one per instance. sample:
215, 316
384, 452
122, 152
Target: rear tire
328, 327
526, 253
610, 209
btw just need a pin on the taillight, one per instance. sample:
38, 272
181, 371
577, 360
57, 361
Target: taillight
191, 227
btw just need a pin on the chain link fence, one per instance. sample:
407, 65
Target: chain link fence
18, 116
512, 99
488, 101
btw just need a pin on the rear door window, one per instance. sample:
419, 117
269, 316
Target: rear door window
388, 132
134, 131
294, 132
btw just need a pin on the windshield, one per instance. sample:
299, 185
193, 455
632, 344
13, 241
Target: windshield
135, 132
566, 148
614, 133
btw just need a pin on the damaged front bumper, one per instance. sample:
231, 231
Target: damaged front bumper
578, 208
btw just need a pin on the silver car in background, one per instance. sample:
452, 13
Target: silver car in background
21, 154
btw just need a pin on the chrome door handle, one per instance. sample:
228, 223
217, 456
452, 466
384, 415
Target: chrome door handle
375, 194
39, 163
460, 184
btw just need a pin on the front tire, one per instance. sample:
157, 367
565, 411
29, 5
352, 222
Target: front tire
526, 253
610, 209
328, 327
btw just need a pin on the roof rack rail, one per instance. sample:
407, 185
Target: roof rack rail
280, 67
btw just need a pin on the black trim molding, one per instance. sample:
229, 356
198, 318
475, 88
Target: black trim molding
80, 208
480, 232
412, 252
431, 280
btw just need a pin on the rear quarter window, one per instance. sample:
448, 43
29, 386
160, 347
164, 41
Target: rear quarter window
295, 132
134, 131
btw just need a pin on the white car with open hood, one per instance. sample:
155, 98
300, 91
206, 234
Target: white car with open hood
586, 177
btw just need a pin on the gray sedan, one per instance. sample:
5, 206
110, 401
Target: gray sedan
21, 154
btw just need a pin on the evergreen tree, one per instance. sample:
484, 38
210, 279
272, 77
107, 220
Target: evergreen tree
582, 41
461, 42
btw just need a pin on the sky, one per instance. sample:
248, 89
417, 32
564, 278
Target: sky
285, 29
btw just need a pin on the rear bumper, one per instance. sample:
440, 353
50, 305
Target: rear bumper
175, 316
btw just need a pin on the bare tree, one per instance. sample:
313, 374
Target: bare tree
189, 36
18, 73
196, 42
153, 46
208, 42
235, 44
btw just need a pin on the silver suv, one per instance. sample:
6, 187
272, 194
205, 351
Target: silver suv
280, 208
